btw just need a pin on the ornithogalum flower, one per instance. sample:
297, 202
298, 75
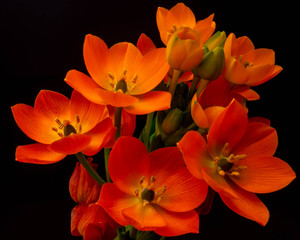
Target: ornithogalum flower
246, 65
237, 161
168, 21
122, 76
152, 191
61, 127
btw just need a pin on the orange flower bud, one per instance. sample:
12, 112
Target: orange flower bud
184, 49
83, 188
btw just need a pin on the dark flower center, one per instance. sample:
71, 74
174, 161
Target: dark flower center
147, 195
224, 164
122, 85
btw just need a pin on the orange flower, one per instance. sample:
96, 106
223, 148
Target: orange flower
237, 161
62, 127
151, 191
122, 76
184, 49
168, 21
247, 65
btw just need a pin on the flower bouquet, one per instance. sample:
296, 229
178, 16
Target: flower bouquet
197, 140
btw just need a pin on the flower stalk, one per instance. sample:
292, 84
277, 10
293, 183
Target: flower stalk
82, 159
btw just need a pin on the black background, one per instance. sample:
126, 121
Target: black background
42, 40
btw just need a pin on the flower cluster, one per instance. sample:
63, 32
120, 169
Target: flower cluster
197, 139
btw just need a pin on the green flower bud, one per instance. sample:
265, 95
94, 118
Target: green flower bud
212, 64
216, 40
172, 121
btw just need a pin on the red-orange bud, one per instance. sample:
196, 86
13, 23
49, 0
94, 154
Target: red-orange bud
83, 188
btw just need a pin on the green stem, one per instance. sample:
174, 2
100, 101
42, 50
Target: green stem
118, 118
82, 159
147, 129
202, 85
106, 156
192, 89
133, 233
174, 80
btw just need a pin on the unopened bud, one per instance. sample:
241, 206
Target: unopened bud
172, 121
212, 64
184, 50
216, 40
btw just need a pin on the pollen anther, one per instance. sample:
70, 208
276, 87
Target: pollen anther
77, 119
142, 179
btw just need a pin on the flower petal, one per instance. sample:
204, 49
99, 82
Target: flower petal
152, 68
113, 200
260, 56
145, 44
163, 163
124, 56
217, 182
128, 163
37, 153
183, 192
245, 92
101, 134
183, 15
247, 205
206, 27
143, 218
257, 73
178, 223
90, 114
85, 85
52, 105
71, 144
235, 72
194, 150
276, 70
164, 24
34, 124
150, 102
264, 174
95, 53
198, 114
116, 99
259, 139
228, 127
